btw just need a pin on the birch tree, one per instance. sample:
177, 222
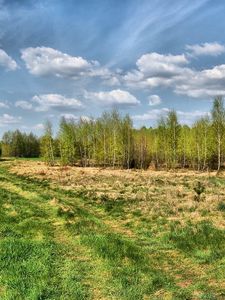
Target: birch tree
218, 125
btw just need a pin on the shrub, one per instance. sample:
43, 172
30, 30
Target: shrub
221, 206
199, 189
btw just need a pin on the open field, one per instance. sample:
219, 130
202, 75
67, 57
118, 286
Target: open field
90, 233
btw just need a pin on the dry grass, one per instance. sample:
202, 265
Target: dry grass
155, 193
129, 226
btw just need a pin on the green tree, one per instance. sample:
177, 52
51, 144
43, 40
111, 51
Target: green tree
218, 125
47, 145
67, 142
173, 132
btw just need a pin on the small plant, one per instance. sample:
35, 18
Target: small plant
221, 206
199, 189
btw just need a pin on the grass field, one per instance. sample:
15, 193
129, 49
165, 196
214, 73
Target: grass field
73, 233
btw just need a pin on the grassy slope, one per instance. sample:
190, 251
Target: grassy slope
61, 244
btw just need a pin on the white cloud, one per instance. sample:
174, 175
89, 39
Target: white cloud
114, 97
151, 114
154, 100
155, 70
39, 126
24, 105
188, 117
112, 80
6, 119
7, 62
159, 65
69, 116
55, 101
213, 49
4, 105
183, 116
47, 61
170, 71
75, 118
199, 84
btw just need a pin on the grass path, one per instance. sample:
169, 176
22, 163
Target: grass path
56, 244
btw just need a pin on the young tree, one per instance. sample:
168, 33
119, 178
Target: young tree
218, 125
7, 144
173, 131
162, 142
184, 146
47, 145
67, 142
127, 141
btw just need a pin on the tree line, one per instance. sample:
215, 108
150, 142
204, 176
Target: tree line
112, 141
18, 144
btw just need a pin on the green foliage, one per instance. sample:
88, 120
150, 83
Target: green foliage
47, 145
218, 125
199, 189
221, 206
67, 142
111, 141
17, 144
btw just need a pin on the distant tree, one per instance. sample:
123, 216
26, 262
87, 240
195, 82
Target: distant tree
173, 131
67, 142
32, 145
127, 138
6, 144
142, 148
162, 142
184, 146
201, 137
111, 140
218, 125
47, 144
17, 144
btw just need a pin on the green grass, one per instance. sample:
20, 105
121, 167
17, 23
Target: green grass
63, 244
203, 241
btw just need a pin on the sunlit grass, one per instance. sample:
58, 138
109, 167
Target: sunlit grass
58, 243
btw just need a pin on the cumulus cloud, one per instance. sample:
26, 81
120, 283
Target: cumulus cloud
7, 62
55, 101
184, 117
213, 49
154, 69
4, 105
170, 71
47, 61
151, 114
199, 84
154, 100
73, 117
114, 97
189, 117
37, 127
159, 65
24, 105
6, 119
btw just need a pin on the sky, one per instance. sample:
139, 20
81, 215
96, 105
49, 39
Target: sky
78, 58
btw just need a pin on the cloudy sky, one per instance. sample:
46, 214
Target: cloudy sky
81, 57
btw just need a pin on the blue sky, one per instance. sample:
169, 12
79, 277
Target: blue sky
79, 58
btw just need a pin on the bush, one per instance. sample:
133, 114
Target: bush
221, 206
199, 189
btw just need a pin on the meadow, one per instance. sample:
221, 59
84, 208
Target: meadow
92, 233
